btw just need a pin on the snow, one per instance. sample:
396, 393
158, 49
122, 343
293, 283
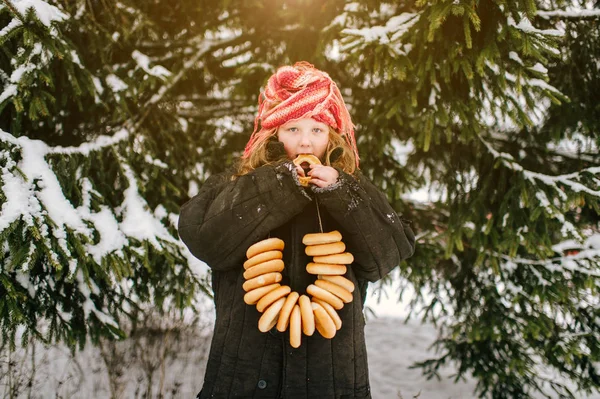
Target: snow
35, 197
143, 62
515, 57
112, 238
539, 68
115, 83
138, 222
569, 13
526, 26
394, 28
574, 145
97, 144
388, 34
45, 12
10, 90
11, 25
89, 305
393, 345
593, 242
155, 162
48, 194
98, 85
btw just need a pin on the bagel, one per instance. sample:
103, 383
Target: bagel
308, 158
261, 281
325, 295
262, 257
280, 307
311, 160
339, 280
273, 265
295, 327
272, 296
269, 318
286, 311
325, 249
338, 259
322, 238
253, 296
325, 269
342, 293
269, 244
308, 317
323, 322
331, 311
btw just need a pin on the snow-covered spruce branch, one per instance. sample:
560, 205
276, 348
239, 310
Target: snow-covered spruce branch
387, 35
569, 263
573, 15
34, 195
564, 149
568, 180
13, 10
207, 46
47, 14
130, 126
525, 26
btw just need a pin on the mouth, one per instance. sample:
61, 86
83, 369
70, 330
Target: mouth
305, 165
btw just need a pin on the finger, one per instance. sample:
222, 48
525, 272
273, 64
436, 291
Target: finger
300, 171
320, 175
318, 183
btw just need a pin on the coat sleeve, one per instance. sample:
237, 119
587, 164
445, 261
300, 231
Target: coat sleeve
379, 239
227, 216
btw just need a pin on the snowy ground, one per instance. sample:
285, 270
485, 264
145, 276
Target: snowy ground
393, 345
176, 366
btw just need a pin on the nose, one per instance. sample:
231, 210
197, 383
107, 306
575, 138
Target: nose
305, 139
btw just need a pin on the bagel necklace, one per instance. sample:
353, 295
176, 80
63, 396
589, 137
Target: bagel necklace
283, 308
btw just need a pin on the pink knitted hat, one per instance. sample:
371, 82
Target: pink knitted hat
296, 92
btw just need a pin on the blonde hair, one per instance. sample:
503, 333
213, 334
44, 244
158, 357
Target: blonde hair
259, 157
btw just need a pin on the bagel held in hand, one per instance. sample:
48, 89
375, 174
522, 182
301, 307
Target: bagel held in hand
307, 159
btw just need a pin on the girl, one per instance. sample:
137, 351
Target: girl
301, 111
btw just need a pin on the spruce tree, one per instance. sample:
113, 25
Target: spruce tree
488, 95
113, 114
94, 164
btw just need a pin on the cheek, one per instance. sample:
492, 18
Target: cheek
288, 145
321, 147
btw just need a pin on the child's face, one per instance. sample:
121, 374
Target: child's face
304, 136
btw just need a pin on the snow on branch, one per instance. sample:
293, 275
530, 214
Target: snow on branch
526, 26
143, 62
45, 12
570, 14
138, 222
588, 252
388, 35
97, 144
568, 180
394, 28
556, 183
26, 67
34, 195
205, 46
15, 23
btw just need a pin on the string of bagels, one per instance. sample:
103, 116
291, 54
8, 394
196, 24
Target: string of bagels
286, 309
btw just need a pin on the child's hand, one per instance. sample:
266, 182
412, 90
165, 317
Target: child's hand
323, 176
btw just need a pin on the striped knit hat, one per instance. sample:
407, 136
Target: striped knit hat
296, 92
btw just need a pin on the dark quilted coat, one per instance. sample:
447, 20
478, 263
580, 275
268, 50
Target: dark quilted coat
226, 217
